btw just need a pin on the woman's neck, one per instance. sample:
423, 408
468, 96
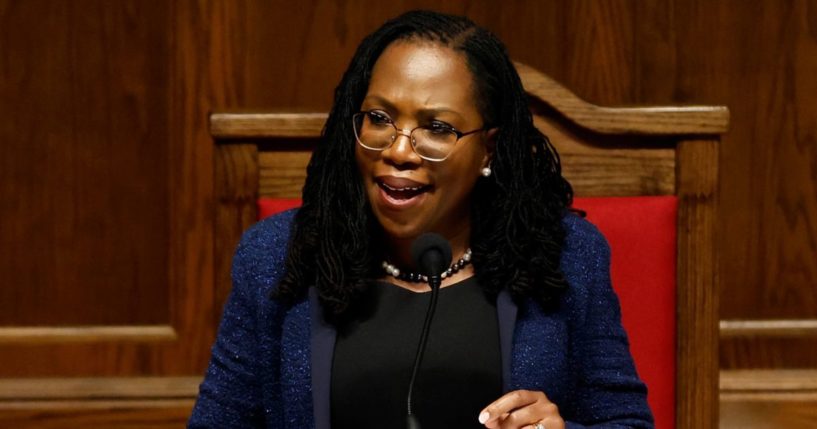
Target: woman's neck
398, 253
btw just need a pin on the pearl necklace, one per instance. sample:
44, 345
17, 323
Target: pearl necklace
417, 277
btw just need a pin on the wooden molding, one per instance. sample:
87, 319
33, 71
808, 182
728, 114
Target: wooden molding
111, 403
98, 388
255, 125
768, 385
783, 328
86, 334
678, 120
768, 398
664, 120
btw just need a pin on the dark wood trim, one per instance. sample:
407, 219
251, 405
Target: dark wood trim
86, 334
252, 125
780, 328
768, 384
663, 120
697, 342
98, 388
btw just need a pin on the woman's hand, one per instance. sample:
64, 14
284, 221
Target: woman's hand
522, 409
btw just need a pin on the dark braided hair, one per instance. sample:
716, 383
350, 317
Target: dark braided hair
516, 230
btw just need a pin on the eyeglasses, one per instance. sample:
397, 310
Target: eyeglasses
376, 131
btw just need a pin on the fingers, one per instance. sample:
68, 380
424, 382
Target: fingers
502, 407
521, 409
548, 423
530, 415
554, 422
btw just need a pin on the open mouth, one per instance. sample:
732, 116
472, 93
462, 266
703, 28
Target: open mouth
402, 193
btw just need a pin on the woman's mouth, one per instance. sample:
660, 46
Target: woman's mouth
401, 193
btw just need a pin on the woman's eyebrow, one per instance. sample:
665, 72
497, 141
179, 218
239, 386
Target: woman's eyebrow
379, 100
434, 111
426, 112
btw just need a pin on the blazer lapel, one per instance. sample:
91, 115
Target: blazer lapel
322, 345
506, 311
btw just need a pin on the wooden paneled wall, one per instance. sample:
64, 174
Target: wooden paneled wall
106, 193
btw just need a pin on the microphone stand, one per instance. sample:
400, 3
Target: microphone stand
433, 282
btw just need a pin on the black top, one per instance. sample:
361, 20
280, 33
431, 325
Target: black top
374, 354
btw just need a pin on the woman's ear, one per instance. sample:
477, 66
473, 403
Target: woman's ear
490, 145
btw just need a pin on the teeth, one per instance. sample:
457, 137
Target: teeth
402, 189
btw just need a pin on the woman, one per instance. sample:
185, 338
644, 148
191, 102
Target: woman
430, 132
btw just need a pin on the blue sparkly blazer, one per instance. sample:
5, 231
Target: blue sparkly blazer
271, 365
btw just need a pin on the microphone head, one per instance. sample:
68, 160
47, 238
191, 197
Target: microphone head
431, 253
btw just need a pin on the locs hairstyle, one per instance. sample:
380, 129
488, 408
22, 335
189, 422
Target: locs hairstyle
517, 234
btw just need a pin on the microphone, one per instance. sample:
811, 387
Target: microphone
432, 255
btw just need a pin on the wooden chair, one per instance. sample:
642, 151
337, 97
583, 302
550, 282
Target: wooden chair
605, 152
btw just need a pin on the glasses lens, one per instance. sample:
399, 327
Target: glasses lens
373, 130
434, 143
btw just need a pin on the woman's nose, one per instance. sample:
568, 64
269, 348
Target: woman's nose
402, 151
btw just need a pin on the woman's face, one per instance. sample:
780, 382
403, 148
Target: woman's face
419, 83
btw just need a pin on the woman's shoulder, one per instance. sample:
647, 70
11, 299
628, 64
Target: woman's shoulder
585, 260
260, 255
583, 241
269, 232
585, 264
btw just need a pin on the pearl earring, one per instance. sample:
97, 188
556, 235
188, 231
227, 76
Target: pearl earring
486, 172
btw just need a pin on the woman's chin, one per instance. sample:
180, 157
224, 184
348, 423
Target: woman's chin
394, 229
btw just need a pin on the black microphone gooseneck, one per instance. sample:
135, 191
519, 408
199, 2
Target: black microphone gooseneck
432, 255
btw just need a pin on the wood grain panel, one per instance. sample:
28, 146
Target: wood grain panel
770, 190
282, 173
72, 189
768, 352
769, 172
111, 113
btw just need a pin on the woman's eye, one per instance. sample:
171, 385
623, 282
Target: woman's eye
440, 127
378, 118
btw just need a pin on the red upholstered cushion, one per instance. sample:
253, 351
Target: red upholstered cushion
642, 236
270, 206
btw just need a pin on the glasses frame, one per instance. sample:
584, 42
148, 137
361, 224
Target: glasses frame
412, 140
